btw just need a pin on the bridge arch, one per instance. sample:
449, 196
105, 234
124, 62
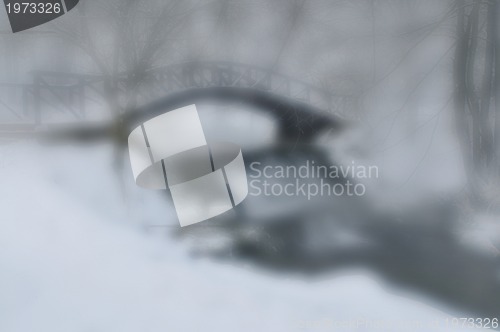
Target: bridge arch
297, 121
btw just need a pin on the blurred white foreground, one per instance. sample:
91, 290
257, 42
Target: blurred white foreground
74, 257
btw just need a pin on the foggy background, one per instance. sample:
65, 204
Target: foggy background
408, 86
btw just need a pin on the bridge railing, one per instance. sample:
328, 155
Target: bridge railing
70, 94
216, 73
11, 103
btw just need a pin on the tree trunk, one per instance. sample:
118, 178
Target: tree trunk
486, 91
496, 90
460, 91
472, 99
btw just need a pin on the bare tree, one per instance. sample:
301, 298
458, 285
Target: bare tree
124, 39
476, 80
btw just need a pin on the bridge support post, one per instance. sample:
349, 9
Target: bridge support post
37, 101
25, 101
81, 98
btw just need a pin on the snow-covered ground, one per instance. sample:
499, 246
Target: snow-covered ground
75, 256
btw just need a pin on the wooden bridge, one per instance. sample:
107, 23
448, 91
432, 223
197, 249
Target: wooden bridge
298, 106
